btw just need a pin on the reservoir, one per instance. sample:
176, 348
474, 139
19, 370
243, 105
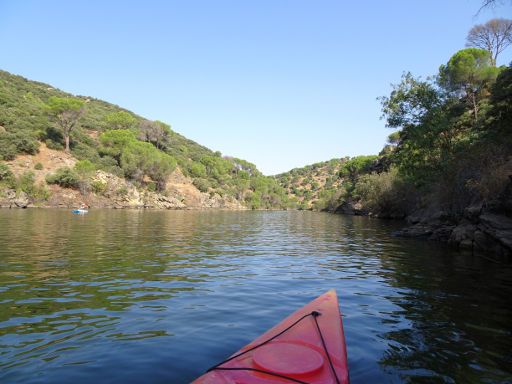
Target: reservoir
128, 296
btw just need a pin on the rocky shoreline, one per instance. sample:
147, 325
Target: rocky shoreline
479, 230
118, 193
484, 229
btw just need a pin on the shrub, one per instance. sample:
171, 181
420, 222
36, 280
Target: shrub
26, 183
41, 192
303, 206
85, 168
492, 176
5, 172
98, 187
202, 184
85, 152
38, 167
54, 145
253, 201
324, 196
151, 186
24, 142
357, 166
384, 194
136, 158
109, 164
197, 170
65, 177
53, 138
122, 191
8, 149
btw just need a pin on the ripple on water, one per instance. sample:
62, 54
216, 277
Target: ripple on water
132, 296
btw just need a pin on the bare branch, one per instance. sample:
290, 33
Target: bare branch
489, 4
493, 36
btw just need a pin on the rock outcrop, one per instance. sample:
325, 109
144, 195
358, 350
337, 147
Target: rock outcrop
351, 207
106, 190
182, 188
11, 199
480, 229
110, 191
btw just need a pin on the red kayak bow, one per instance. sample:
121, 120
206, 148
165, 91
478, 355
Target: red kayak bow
307, 347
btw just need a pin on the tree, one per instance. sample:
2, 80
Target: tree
66, 112
120, 120
394, 138
423, 113
468, 73
137, 159
392, 143
409, 102
501, 108
113, 142
216, 166
155, 132
357, 166
197, 170
493, 36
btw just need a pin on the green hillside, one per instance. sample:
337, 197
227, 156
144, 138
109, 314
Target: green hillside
326, 185
313, 186
110, 138
450, 152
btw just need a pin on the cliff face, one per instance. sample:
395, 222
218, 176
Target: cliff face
111, 191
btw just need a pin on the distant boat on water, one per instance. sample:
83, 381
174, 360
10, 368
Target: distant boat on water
80, 211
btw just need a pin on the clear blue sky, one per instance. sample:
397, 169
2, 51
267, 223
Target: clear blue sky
279, 83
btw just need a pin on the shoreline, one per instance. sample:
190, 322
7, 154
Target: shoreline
478, 231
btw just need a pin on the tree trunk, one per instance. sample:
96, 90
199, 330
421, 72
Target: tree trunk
66, 141
475, 106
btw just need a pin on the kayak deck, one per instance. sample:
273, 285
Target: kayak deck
307, 347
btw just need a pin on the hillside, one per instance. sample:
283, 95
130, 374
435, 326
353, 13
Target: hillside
329, 185
313, 186
447, 167
146, 156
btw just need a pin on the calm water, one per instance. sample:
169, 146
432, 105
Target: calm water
158, 297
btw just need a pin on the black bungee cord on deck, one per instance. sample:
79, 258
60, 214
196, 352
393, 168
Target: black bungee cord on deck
314, 314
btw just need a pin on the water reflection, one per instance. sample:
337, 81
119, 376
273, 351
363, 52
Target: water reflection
134, 296
459, 315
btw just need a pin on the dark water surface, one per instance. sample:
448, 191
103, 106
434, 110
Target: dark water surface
158, 297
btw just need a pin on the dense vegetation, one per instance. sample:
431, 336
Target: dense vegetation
326, 185
24, 182
451, 146
307, 185
107, 137
454, 134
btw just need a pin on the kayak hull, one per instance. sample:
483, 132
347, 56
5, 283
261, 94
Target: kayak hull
80, 211
293, 349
